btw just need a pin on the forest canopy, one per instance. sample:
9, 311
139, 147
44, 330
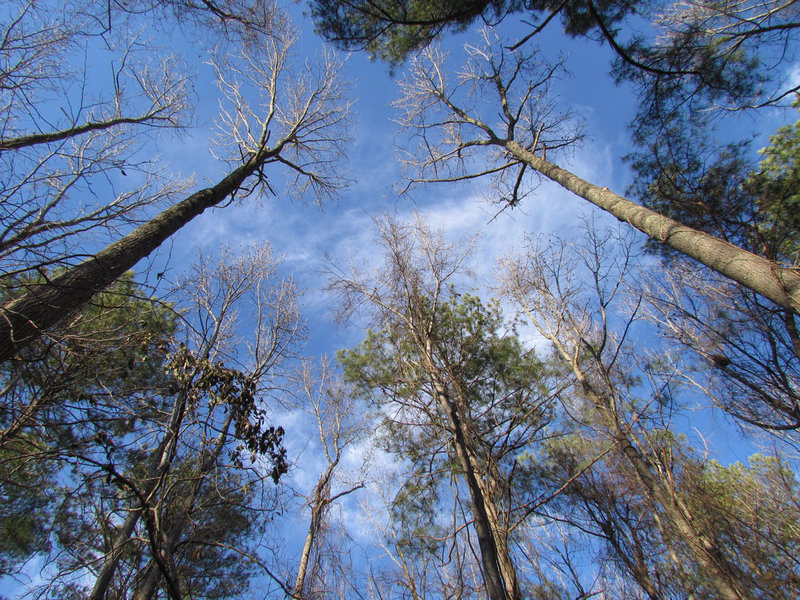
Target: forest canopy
510, 313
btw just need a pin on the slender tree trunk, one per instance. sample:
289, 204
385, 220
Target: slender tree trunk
44, 306
489, 555
171, 537
321, 500
763, 276
724, 576
499, 529
164, 459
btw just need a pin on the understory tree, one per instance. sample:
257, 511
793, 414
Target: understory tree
341, 423
642, 472
162, 458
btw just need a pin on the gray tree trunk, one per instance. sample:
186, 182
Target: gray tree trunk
490, 560
163, 460
318, 505
763, 276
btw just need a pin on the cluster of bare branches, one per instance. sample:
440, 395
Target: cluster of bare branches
273, 113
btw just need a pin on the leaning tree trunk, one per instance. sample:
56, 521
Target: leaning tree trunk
724, 576
489, 488
763, 276
43, 306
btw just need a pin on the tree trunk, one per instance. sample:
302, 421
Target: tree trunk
44, 306
321, 500
164, 458
489, 555
499, 529
170, 539
723, 575
763, 276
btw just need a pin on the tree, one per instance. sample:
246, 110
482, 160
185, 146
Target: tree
336, 412
93, 381
300, 126
552, 292
154, 493
392, 29
195, 473
606, 502
452, 132
460, 399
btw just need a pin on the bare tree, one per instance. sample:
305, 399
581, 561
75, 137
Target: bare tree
189, 472
573, 309
742, 352
300, 124
341, 423
462, 397
449, 120
70, 154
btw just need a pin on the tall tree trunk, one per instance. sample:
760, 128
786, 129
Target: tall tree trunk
171, 537
490, 489
321, 500
43, 306
724, 576
763, 276
488, 547
161, 464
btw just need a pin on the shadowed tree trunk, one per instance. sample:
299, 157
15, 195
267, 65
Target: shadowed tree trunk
303, 129
43, 306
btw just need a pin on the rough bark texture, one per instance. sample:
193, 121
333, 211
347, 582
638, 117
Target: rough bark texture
44, 306
763, 276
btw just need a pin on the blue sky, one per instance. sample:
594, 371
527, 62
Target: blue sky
311, 238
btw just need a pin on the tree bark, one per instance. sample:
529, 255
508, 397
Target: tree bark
488, 546
723, 575
44, 306
489, 489
763, 276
